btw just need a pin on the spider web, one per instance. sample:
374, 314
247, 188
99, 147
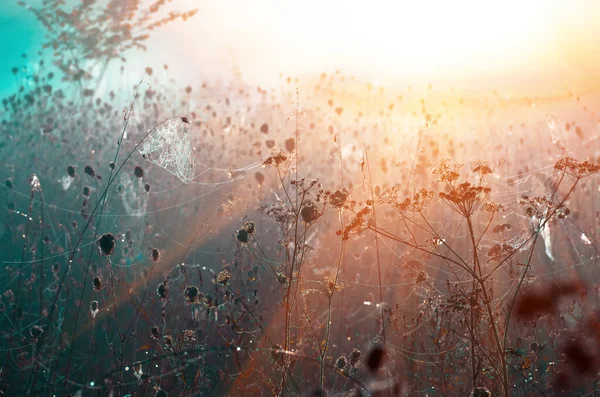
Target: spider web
169, 147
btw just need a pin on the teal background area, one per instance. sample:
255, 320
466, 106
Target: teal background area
20, 33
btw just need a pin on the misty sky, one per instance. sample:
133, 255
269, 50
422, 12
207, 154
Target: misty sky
536, 45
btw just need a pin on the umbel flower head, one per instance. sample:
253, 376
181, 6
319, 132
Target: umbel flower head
309, 212
577, 169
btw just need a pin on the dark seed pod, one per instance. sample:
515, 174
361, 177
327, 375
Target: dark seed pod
341, 362
242, 236
89, 171
318, 392
355, 357
97, 284
107, 244
260, 178
481, 392
138, 171
154, 331
375, 358
191, 294
290, 144
534, 346
36, 331
161, 290
155, 255
71, 171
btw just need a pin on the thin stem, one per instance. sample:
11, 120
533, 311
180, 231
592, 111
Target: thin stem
330, 298
376, 247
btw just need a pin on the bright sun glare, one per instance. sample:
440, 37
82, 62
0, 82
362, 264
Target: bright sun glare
426, 36
454, 41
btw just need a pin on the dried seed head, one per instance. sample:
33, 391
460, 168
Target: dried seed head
281, 278
155, 332
138, 171
36, 331
107, 244
249, 227
161, 290
97, 283
341, 363
94, 308
309, 212
355, 357
71, 171
481, 392
155, 255
375, 358
89, 171
192, 294
223, 277
260, 178
242, 236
